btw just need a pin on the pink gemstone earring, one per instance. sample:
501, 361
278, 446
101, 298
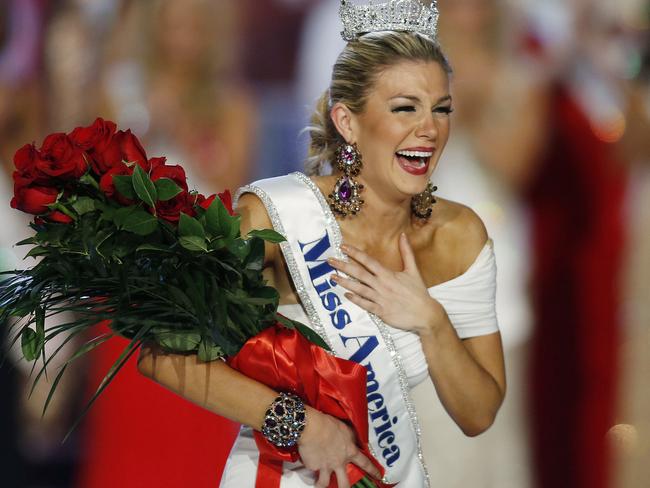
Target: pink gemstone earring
344, 199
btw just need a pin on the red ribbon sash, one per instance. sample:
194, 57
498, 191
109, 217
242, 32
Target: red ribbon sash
285, 361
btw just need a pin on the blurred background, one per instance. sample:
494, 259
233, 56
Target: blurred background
550, 145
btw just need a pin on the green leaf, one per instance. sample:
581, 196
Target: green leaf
124, 185
63, 209
208, 350
190, 227
37, 251
217, 244
121, 214
30, 344
154, 248
239, 248
268, 235
234, 224
87, 179
84, 205
255, 259
24, 242
167, 189
193, 243
219, 222
144, 187
40, 323
311, 336
178, 341
140, 222
212, 218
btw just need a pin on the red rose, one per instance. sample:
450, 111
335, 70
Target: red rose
171, 209
175, 173
27, 172
203, 202
60, 158
58, 217
124, 146
22, 180
94, 138
108, 188
226, 199
155, 162
25, 158
34, 199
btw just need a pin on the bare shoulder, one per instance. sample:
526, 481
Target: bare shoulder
255, 216
460, 231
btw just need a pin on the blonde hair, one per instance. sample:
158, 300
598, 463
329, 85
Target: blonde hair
353, 77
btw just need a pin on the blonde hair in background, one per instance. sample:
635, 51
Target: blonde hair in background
353, 77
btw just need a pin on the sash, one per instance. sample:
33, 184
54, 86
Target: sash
299, 212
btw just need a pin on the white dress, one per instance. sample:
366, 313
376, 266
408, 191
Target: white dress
469, 300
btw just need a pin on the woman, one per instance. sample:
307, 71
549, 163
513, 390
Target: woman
410, 265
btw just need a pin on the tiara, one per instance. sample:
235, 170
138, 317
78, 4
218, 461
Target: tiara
394, 15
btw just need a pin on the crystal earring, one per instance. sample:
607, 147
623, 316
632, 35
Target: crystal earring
422, 202
344, 199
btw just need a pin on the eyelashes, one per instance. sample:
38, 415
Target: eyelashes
404, 108
445, 110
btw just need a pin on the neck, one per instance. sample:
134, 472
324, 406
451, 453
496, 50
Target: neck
380, 221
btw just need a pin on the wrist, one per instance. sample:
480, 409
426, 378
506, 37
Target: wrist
284, 421
434, 320
311, 425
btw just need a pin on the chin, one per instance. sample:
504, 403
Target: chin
412, 185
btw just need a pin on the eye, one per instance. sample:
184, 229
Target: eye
445, 110
404, 108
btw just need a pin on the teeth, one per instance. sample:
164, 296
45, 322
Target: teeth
415, 154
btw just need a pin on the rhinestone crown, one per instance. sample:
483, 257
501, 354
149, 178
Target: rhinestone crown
395, 15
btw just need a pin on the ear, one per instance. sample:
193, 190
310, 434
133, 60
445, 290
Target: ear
343, 117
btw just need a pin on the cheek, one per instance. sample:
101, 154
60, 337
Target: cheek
443, 129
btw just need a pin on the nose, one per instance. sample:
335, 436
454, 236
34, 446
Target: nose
427, 128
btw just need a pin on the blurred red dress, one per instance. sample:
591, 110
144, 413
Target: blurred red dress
140, 435
578, 235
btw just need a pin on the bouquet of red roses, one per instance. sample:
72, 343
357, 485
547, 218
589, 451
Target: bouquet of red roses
120, 238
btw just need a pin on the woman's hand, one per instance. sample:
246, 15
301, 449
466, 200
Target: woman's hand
399, 298
327, 445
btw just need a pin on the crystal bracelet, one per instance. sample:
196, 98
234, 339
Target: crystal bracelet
284, 421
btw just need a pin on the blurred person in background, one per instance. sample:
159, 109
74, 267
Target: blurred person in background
631, 436
30, 443
271, 43
171, 74
577, 199
74, 50
174, 77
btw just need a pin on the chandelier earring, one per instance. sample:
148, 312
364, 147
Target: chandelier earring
422, 203
345, 199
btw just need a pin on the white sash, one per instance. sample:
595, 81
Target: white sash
299, 211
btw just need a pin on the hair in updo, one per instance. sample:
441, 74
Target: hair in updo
353, 77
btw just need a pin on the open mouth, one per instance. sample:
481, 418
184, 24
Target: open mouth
414, 162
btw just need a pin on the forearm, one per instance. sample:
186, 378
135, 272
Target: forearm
212, 385
224, 391
469, 393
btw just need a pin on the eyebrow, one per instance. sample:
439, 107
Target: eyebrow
413, 98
